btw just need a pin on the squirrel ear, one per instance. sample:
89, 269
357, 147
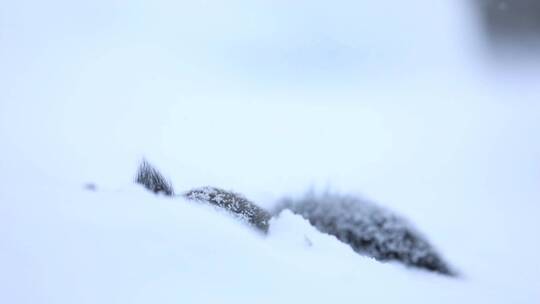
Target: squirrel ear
152, 179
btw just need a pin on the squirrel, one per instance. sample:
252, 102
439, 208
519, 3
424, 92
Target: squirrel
366, 227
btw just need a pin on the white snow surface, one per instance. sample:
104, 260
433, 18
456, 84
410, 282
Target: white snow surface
77, 246
397, 102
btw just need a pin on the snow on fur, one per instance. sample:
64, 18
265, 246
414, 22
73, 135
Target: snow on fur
369, 229
233, 202
238, 205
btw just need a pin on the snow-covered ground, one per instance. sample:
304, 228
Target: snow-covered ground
396, 102
66, 246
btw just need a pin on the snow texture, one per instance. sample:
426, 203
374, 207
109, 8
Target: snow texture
369, 229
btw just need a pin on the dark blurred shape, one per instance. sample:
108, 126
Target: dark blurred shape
511, 24
153, 180
90, 186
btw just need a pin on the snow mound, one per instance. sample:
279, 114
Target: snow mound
64, 245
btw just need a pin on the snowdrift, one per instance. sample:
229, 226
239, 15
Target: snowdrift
62, 245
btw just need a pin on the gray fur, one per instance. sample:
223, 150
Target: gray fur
234, 203
153, 180
369, 229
